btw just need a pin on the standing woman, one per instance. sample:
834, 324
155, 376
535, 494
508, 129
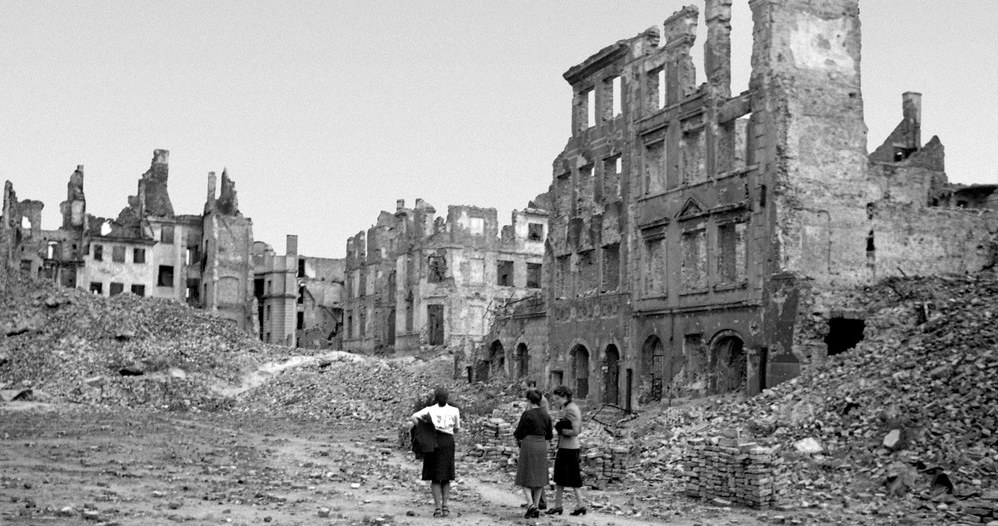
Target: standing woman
533, 433
438, 465
567, 471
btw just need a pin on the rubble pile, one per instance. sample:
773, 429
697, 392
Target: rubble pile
910, 413
69, 345
730, 470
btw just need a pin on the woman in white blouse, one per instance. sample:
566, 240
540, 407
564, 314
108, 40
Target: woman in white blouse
438, 466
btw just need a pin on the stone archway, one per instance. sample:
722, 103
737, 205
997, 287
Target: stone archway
729, 363
652, 369
521, 360
497, 359
580, 371
611, 376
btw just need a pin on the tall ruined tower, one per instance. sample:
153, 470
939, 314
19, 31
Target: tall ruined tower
806, 93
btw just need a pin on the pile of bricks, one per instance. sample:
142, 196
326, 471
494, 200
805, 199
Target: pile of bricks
604, 465
494, 443
734, 470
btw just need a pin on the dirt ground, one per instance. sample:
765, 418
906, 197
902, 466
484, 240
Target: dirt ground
64, 465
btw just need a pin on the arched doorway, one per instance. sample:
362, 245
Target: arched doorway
497, 359
611, 378
521, 360
652, 369
728, 364
580, 371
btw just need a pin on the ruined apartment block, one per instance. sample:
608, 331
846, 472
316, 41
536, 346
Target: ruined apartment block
299, 298
702, 241
415, 280
148, 250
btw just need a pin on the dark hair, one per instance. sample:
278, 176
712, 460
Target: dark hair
563, 392
534, 396
440, 396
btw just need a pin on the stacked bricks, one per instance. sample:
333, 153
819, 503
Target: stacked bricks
735, 470
495, 443
604, 465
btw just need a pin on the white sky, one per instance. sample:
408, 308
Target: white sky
326, 112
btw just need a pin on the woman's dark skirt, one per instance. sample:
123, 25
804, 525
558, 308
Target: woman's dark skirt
438, 465
532, 465
566, 468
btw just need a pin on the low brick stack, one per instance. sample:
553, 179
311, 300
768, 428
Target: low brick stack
494, 443
734, 470
604, 465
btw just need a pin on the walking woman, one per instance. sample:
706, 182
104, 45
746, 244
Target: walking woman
533, 433
567, 471
438, 465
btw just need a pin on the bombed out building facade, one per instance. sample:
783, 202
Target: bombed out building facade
415, 280
148, 250
208, 261
702, 241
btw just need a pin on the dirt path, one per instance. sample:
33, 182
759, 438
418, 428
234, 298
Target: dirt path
63, 465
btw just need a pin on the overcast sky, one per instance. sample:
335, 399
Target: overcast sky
326, 112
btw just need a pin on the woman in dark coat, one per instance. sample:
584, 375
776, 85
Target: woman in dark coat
533, 433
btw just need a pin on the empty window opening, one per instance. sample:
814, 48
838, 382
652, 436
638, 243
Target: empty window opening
25, 223
166, 234
191, 294
533, 275
362, 321
655, 278
52, 246
556, 378
731, 256
26, 266
268, 312
843, 334
590, 108
435, 324
165, 276
437, 264
139, 290
616, 92
188, 257
655, 171
116, 288
300, 322
588, 272
535, 232
661, 87
611, 178
139, 255
301, 294
118, 254
301, 267
97, 287
694, 271
476, 225
504, 273
521, 360
580, 370
611, 267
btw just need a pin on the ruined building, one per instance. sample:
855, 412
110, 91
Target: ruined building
702, 241
299, 298
415, 279
148, 250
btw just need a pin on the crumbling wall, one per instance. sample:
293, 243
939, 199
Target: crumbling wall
226, 265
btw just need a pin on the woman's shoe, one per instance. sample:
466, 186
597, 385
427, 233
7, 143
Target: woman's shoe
532, 512
444, 511
579, 511
438, 513
554, 511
